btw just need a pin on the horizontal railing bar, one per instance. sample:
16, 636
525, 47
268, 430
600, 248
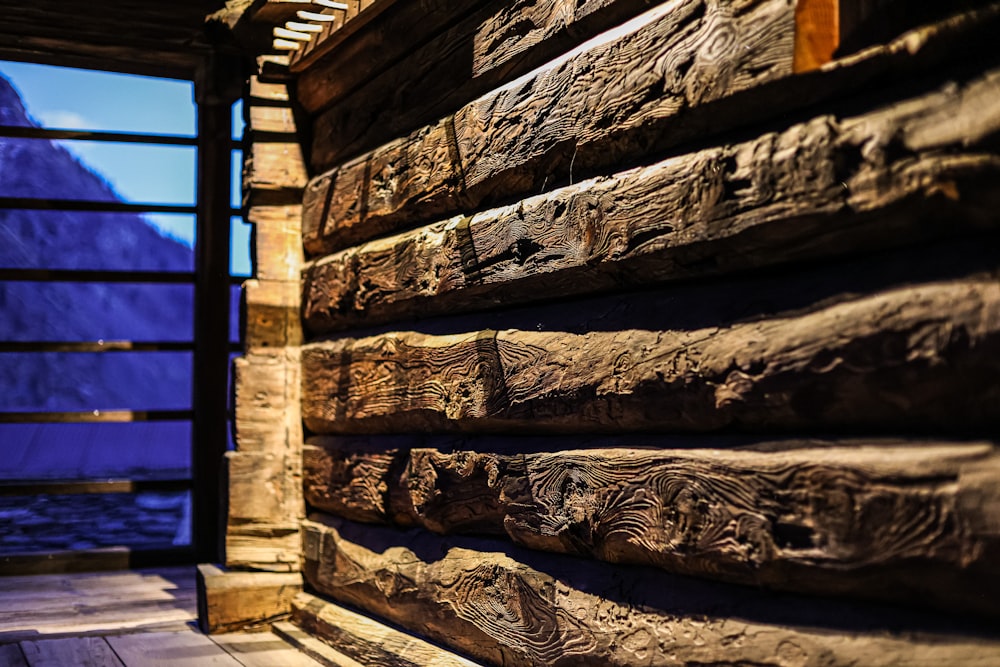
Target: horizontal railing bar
74, 487
95, 416
96, 276
90, 560
22, 132
94, 346
35, 204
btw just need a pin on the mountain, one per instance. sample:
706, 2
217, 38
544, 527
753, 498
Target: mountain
64, 311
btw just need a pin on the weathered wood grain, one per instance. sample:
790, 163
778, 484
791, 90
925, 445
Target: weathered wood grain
367, 641
898, 522
230, 601
166, 649
618, 82
508, 606
496, 44
263, 547
578, 100
272, 313
76, 651
919, 356
263, 487
827, 186
267, 390
263, 649
414, 179
277, 241
274, 173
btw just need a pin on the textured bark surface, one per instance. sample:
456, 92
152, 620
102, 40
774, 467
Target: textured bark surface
499, 154
827, 186
496, 43
507, 606
924, 356
914, 523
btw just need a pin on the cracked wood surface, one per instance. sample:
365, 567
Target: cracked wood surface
823, 187
916, 523
427, 175
913, 357
508, 606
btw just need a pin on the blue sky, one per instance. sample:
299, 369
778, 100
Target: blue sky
66, 98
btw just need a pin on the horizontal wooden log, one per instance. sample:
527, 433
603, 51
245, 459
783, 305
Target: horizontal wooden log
267, 394
921, 356
916, 523
420, 177
230, 601
824, 187
512, 132
508, 606
495, 44
366, 641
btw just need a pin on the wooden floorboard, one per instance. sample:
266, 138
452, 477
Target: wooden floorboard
167, 649
142, 618
46, 605
74, 651
262, 649
10, 656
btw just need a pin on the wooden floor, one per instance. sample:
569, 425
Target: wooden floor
141, 618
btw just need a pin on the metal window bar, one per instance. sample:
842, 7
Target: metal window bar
211, 347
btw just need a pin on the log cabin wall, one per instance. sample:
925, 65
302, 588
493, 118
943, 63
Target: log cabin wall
633, 333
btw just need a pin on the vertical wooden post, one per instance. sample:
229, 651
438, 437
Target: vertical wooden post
217, 87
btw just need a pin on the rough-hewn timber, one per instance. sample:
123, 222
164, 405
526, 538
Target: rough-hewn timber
922, 356
823, 187
675, 56
231, 601
508, 606
413, 179
863, 518
493, 45
366, 641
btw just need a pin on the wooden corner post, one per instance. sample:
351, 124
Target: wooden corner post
217, 86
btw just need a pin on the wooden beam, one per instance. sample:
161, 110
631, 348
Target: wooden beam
914, 357
827, 520
419, 177
495, 125
263, 547
889, 176
272, 313
365, 640
503, 605
479, 51
231, 601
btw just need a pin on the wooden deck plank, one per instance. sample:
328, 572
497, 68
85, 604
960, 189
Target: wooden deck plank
96, 603
262, 649
167, 649
10, 655
72, 651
